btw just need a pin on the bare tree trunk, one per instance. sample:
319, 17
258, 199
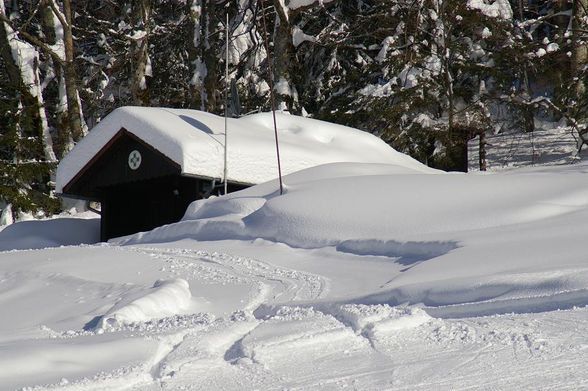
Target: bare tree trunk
528, 115
202, 55
561, 72
76, 123
209, 54
580, 50
197, 67
140, 52
482, 150
457, 150
284, 59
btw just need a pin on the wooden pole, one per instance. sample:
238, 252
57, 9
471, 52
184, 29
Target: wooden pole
226, 99
272, 99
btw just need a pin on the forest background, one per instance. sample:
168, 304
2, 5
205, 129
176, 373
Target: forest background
427, 76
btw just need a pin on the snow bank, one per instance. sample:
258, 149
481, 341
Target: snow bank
62, 231
452, 238
165, 298
195, 140
377, 209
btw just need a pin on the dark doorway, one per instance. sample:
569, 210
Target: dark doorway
141, 206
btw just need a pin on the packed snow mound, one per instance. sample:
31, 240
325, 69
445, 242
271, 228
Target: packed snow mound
371, 319
165, 298
195, 140
462, 244
62, 231
293, 331
319, 333
375, 209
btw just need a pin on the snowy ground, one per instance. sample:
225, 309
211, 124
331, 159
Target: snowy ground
548, 144
360, 276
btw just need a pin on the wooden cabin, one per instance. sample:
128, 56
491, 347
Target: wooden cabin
138, 187
146, 165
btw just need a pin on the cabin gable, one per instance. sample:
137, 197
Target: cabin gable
125, 159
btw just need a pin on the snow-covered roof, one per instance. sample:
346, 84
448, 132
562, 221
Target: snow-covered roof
195, 139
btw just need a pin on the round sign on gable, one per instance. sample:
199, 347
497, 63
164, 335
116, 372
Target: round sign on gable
134, 159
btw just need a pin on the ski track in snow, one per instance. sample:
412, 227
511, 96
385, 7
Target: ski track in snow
181, 332
292, 285
308, 349
333, 345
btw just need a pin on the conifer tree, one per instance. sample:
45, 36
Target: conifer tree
26, 146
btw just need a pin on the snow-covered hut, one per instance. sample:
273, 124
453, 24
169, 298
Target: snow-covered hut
145, 165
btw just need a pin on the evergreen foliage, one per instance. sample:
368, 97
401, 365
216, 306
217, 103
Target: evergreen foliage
24, 172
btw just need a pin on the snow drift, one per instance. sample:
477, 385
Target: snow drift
361, 275
355, 206
166, 297
62, 231
480, 241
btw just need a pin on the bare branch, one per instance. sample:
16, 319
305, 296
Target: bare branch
31, 39
57, 12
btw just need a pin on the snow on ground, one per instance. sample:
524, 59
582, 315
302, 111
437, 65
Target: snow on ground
549, 144
367, 276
